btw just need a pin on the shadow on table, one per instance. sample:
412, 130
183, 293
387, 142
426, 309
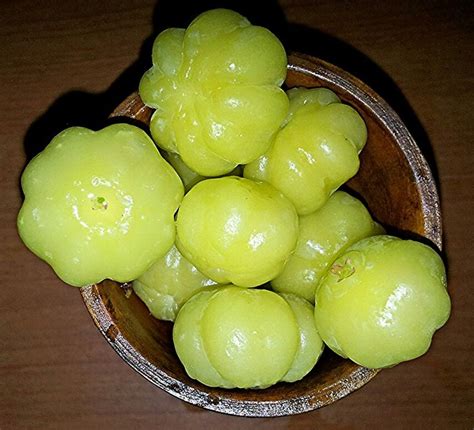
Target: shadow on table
79, 108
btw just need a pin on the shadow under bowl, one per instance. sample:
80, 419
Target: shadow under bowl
394, 181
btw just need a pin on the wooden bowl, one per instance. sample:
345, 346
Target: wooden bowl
396, 184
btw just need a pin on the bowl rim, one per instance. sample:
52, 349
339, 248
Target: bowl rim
103, 319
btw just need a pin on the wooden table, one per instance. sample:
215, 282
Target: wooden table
69, 63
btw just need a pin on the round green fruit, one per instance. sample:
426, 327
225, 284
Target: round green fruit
314, 153
166, 285
216, 90
382, 300
323, 235
237, 231
251, 336
99, 204
310, 345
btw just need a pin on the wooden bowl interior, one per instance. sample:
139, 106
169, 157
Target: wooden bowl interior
396, 185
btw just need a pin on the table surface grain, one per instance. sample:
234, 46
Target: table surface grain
65, 62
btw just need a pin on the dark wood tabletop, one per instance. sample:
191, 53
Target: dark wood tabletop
65, 62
